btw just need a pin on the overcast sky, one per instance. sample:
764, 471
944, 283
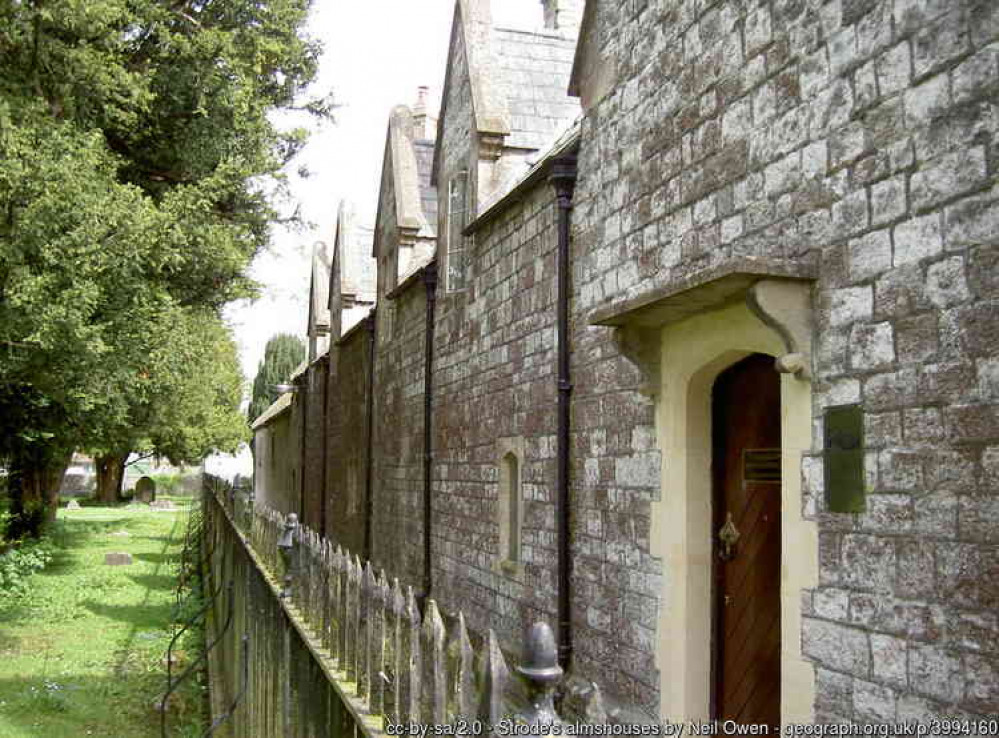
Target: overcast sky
376, 54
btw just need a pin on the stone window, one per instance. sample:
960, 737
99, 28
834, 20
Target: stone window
456, 242
510, 508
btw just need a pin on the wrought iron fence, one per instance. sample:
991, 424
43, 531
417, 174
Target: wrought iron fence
334, 648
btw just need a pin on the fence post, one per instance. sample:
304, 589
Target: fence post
325, 614
286, 548
493, 678
343, 608
365, 611
411, 662
391, 696
337, 594
460, 670
376, 652
351, 617
543, 674
434, 674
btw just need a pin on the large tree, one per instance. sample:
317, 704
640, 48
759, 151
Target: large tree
183, 403
282, 355
134, 147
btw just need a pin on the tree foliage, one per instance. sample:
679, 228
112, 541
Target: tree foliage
282, 355
134, 144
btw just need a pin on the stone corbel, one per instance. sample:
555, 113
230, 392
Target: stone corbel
641, 347
490, 146
786, 307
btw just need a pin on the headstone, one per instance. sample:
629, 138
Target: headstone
118, 558
72, 505
145, 490
162, 505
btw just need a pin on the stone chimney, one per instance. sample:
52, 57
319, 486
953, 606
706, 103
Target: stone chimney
563, 15
424, 124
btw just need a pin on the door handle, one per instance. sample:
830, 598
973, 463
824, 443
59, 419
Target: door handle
727, 536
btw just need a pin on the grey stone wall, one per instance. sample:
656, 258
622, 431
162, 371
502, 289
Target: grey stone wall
275, 450
455, 133
397, 523
347, 449
494, 377
315, 397
861, 135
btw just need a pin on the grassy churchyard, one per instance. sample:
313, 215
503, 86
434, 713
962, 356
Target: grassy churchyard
82, 652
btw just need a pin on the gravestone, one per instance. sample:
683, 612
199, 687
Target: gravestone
72, 505
145, 490
118, 558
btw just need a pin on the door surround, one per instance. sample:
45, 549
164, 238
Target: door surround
692, 353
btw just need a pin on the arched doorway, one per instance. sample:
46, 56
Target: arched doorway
746, 547
695, 352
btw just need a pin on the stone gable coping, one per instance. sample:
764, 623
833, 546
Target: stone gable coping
400, 156
472, 19
319, 312
592, 75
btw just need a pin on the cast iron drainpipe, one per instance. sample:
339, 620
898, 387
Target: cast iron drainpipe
325, 481
302, 396
563, 178
370, 325
430, 282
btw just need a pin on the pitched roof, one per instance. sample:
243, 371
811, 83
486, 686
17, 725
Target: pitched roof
404, 169
352, 256
533, 74
282, 403
518, 79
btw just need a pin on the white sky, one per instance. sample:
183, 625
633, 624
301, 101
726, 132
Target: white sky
376, 54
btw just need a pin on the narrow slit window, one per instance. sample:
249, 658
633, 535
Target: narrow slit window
511, 503
457, 219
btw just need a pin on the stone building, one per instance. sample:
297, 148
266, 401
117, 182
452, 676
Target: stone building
704, 371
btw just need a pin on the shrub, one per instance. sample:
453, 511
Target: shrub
20, 562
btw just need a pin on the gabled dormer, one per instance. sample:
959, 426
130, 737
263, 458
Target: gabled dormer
504, 101
405, 226
352, 274
319, 311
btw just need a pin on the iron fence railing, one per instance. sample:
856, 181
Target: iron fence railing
381, 665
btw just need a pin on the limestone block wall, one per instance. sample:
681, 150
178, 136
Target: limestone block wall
398, 440
860, 137
315, 397
275, 453
494, 390
347, 429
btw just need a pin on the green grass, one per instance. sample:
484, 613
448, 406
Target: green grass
82, 654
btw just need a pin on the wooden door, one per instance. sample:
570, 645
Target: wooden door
747, 545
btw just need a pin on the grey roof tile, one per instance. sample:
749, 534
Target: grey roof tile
534, 71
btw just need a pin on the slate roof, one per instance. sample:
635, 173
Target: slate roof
362, 275
424, 151
533, 73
